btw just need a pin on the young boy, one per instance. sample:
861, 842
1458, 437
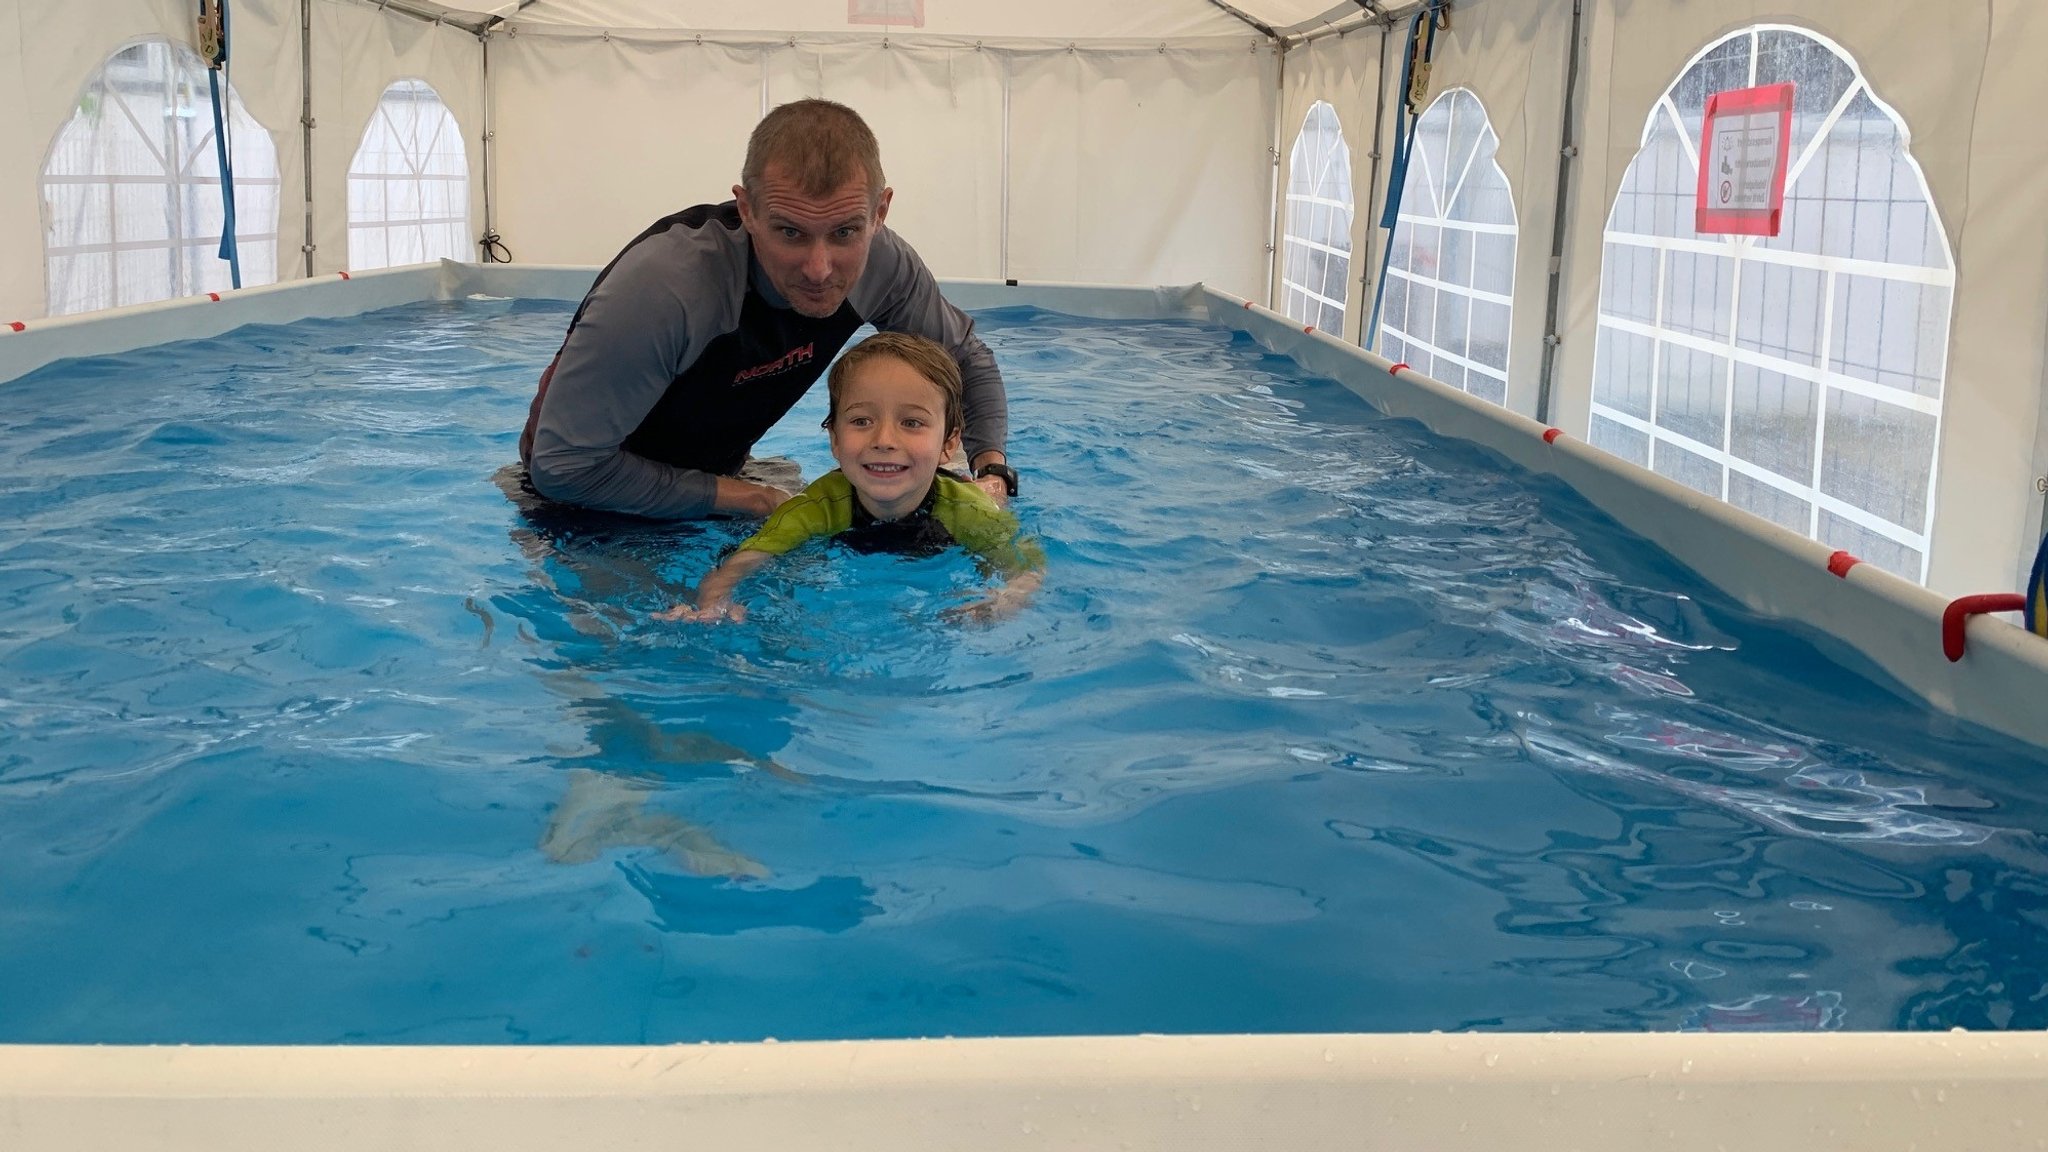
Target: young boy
895, 418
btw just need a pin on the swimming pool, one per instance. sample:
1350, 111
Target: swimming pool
1321, 724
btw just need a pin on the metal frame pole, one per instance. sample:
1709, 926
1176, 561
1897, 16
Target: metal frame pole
1568, 149
307, 246
1273, 245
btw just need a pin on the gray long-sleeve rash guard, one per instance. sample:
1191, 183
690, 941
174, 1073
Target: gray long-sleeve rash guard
682, 355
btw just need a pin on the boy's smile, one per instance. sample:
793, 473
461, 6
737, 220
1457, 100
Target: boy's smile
889, 436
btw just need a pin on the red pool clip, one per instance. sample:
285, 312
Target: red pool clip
1956, 617
1396, 369
17, 325
1550, 435
343, 275
1310, 330
1841, 562
213, 296
1247, 304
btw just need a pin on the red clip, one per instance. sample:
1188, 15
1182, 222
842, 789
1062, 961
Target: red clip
1957, 615
343, 275
1247, 303
1841, 562
1550, 435
17, 325
1395, 370
213, 296
1310, 329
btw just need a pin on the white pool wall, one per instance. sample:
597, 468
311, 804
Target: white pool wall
1944, 1092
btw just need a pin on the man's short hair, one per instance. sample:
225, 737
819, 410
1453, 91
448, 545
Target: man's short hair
823, 146
925, 357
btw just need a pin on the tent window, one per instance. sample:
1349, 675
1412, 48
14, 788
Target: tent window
408, 186
1451, 279
1797, 376
1316, 266
131, 189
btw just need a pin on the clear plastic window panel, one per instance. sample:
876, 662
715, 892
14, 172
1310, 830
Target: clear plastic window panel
1316, 260
1808, 385
1449, 295
408, 186
131, 190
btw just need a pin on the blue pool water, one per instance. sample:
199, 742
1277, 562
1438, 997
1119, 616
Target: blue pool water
1319, 725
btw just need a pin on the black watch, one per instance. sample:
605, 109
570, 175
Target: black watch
998, 468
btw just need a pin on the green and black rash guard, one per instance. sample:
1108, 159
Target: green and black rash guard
953, 512
683, 355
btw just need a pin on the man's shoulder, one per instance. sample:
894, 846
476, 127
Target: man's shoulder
690, 264
706, 235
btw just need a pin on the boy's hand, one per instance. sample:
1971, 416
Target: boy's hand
708, 613
1000, 603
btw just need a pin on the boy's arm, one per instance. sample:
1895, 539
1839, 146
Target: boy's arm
714, 595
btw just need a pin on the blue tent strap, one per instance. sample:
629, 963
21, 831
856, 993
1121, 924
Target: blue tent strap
213, 41
2037, 592
1422, 26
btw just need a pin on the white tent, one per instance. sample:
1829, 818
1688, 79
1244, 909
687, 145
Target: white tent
1149, 141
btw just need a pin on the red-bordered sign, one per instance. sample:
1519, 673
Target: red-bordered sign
1745, 146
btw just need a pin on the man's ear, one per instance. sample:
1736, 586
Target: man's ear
882, 206
739, 195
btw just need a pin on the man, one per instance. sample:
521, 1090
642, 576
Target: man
711, 324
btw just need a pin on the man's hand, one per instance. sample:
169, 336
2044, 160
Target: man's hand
710, 612
739, 497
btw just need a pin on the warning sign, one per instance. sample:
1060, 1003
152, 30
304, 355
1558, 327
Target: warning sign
1745, 146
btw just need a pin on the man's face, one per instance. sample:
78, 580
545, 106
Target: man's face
812, 247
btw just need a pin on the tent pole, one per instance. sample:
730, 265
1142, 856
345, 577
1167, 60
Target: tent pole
445, 16
306, 246
1567, 149
1003, 228
1279, 129
1264, 28
1372, 184
489, 243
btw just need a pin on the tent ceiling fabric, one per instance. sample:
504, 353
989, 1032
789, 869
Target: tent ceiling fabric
1065, 19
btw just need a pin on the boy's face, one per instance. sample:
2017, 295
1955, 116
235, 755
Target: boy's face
889, 435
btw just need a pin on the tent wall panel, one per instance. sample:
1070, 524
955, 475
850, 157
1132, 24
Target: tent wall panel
21, 150
1142, 168
358, 52
598, 138
1992, 444
1967, 130
938, 112
1088, 19
61, 46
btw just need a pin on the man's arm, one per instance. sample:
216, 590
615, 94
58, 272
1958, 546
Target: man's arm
659, 304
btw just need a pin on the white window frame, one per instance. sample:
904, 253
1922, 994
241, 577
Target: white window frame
1441, 195
1740, 250
249, 143
444, 128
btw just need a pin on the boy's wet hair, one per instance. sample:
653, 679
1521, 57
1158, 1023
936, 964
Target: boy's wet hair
925, 358
819, 145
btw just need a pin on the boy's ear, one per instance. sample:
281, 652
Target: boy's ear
952, 443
